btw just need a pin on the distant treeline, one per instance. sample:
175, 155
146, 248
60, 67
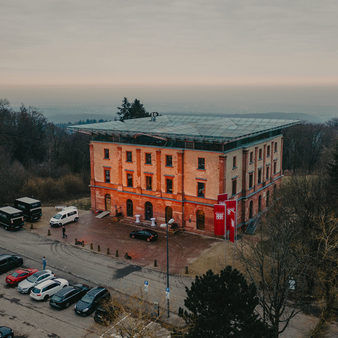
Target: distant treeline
38, 158
87, 121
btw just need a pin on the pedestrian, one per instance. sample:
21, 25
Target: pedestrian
44, 262
64, 232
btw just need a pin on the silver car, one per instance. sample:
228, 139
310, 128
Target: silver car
26, 285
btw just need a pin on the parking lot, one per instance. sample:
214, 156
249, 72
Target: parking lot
184, 247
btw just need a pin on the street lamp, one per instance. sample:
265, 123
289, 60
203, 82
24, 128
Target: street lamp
171, 221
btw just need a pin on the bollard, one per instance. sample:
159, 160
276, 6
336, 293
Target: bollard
98, 248
48, 232
186, 270
108, 252
75, 241
31, 225
91, 246
116, 253
155, 263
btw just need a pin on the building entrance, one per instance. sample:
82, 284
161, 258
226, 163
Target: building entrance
148, 211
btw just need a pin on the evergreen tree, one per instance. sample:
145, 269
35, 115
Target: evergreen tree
222, 305
124, 110
133, 110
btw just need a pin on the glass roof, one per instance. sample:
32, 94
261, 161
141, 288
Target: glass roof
189, 126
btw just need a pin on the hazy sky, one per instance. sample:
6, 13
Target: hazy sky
169, 42
176, 41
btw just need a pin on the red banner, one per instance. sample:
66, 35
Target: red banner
221, 198
219, 219
231, 208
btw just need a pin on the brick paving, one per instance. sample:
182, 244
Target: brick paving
183, 247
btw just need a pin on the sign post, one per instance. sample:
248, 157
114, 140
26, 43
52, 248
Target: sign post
146, 284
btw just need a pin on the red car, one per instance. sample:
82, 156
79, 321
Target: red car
18, 275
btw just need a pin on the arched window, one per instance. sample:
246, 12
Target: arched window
130, 208
260, 203
200, 218
168, 214
107, 202
267, 198
251, 209
148, 211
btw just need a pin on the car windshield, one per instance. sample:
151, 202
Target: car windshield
57, 216
87, 298
35, 205
32, 278
57, 298
36, 290
15, 274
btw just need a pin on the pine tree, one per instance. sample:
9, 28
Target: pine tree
133, 110
124, 110
222, 305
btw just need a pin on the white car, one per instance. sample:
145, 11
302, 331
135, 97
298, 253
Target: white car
66, 215
48, 288
26, 285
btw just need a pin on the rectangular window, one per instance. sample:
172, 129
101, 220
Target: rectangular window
201, 163
168, 160
129, 180
234, 186
259, 175
267, 172
169, 185
149, 183
268, 151
129, 156
251, 157
250, 180
200, 189
106, 154
260, 154
274, 167
148, 158
234, 162
107, 175
275, 147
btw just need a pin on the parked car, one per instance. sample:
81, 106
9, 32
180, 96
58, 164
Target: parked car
11, 218
18, 275
26, 285
145, 234
6, 332
68, 295
66, 215
30, 207
91, 300
48, 288
8, 262
105, 314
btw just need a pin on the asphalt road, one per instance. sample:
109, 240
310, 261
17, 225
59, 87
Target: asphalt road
78, 265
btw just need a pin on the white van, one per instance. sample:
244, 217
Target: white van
66, 215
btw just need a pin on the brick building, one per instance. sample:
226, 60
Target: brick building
175, 166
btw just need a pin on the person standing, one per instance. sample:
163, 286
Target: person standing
44, 263
64, 232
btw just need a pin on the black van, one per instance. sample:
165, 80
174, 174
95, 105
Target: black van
30, 207
11, 218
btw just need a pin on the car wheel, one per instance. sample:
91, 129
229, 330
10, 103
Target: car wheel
60, 225
148, 239
67, 305
76, 219
6, 227
46, 298
132, 236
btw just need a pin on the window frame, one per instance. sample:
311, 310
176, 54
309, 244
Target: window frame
260, 154
167, 164
259, 176
234, 186
149, 177
251, 177
148, 159
234, 162
129, 160
201, 163
201, 189
130, 176
251, 157
167, 190
268, 151
106, 154
107, 178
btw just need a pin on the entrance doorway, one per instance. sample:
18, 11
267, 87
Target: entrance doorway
168, 214
148, 208
200, 218
129, 208
107, 202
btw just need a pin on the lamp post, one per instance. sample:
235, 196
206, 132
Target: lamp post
171, 221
